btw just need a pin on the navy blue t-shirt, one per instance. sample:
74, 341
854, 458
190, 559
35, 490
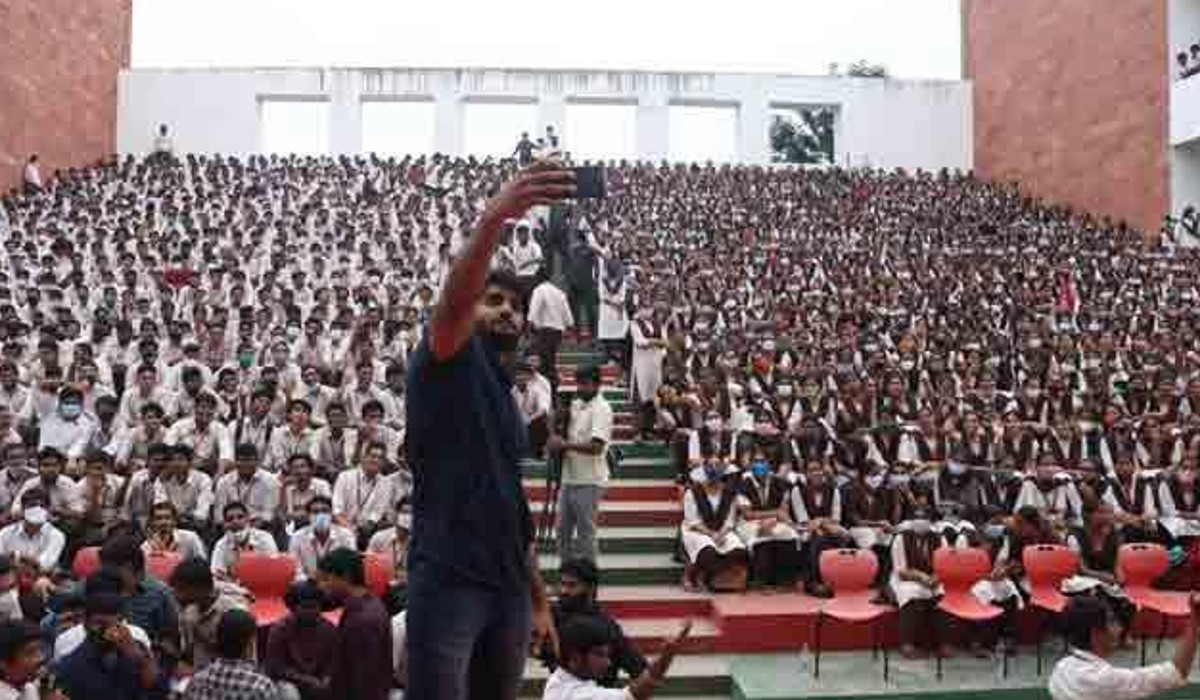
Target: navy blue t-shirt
465, 442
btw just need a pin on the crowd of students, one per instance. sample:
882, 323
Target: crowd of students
207, 356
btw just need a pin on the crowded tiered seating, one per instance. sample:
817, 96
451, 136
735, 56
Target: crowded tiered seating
204, 361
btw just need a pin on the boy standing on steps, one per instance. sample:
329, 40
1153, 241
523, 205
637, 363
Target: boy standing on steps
584, 466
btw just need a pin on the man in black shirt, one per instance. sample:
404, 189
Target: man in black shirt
578, 588
474, 589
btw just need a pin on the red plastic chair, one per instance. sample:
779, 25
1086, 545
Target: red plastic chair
267, 577
1138, 567
161, 565
378, 569
86, 562
1047, 566
850, 573
958, 570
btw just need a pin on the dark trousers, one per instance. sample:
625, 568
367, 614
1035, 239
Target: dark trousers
465, 640
774, 563
585, 307
546, 342
539, 433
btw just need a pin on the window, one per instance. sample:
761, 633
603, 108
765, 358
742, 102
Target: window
493, 129
601, 131
699, 134
398, 128
295, 126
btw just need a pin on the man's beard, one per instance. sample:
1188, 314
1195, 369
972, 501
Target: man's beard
501, 342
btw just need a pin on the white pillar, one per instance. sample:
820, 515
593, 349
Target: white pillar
345, 112
754, 125
653, 127
448, 130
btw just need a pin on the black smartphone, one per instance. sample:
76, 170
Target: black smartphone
589, 182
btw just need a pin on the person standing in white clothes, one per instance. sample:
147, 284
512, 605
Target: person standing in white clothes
614, 320
649, 349
1085, 674
584, 466
550, 315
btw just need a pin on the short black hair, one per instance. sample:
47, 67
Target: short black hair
317, 500
234, 505
234, 632
583, 569
193, 573
122, 551
505, 280
581, 634
345, 564
16, 636
1083, 615
303, 592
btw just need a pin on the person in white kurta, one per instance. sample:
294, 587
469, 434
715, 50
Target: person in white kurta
614, 321
766, 527
912, 583
649, 349
1179, 495
709, 527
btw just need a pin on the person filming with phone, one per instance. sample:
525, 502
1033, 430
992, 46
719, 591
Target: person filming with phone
1085, 674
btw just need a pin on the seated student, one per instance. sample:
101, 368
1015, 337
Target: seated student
715, 553
240, 536
586, 653
579, 582
1097, 542
394, 544
252, 486
201, 604
336, 443
1007, 584
363, 498
1179, 494
33, 540
1051, 491
871, 510
321, 536
299, 653
108, 662
971, 489
60, 491
233, 673
100, 495
164, 537
294, 437
1134, 495
299, 488
20, 660
816, 508
912, 583
189, 490
142, 484
765, 524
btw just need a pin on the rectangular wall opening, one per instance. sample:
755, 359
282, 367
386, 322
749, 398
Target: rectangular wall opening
398, 128
701, 133
294, 126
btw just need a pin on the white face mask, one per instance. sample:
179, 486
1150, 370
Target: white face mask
35, 516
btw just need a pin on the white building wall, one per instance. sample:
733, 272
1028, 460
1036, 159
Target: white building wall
1183, 31
881, 123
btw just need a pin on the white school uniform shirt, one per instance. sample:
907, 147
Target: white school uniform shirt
284, 443
45, 546
187, 545
1081, 675
193, 497
562, 685
590, 420
548, 308
260, 494
28, 692
65, 494
308, 550
361, 500
297, 500
226, 551
526, 258
215, 442
68, 437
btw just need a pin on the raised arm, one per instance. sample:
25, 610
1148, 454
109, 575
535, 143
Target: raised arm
450, 327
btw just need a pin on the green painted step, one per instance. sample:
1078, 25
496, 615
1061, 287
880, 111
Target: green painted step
631, 468
611, 393
632, 540
623, 569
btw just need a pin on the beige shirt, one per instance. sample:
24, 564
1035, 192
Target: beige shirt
590, 420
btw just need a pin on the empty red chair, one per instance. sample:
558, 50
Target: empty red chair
378, 569
958, 570
87, 562
161, 565
267, 577
850, 573
1047, 566
1138, 567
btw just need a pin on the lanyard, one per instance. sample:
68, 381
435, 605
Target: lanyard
363, 500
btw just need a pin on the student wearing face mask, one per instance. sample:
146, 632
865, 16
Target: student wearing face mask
816, 507
318, 538
68, 428
766, 525
912, 583
240, 536
300, 648
716, 554
33, 538
585, 470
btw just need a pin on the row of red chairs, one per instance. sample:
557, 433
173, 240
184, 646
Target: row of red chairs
850, 573
266, 576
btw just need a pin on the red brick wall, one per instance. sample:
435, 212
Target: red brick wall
59, 61
1071, 101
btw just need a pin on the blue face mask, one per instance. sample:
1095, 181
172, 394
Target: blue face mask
994, 531
712, 472
70, 410
760, 469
